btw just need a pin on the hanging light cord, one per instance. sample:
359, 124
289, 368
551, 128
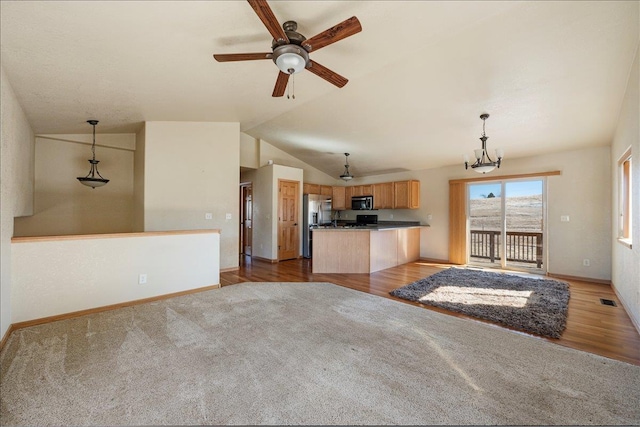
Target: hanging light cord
93, 145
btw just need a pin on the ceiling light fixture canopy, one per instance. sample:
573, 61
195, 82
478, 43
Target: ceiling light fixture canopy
484, 163
346, 175
91, 180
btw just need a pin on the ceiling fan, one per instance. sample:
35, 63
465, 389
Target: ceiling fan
290, 49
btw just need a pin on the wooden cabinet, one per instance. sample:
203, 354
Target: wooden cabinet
386, 195
310, 188
326, 190
339, 199
383, 195
355, 191
406, 194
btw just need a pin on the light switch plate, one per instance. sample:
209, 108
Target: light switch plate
564, 218
208, 215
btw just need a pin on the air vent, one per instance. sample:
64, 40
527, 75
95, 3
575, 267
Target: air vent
604, 301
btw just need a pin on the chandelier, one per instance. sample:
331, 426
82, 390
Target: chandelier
346, 175
91, 180
484, 163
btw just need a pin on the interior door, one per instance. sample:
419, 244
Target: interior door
246, 230
288, 229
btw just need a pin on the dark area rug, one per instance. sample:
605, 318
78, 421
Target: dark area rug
538, 306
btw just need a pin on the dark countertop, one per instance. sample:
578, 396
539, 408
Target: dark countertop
381, 225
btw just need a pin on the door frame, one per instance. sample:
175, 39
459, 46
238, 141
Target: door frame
243, 238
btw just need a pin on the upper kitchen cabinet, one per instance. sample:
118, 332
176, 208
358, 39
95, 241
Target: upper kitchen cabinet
310, 188
383, 195
326, 190
406, 194
339, 199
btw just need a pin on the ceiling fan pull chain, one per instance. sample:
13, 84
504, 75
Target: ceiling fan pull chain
291, 87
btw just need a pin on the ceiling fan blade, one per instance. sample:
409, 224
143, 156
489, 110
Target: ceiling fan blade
264, 12
226, 57
327, 74
336, 33
281, 84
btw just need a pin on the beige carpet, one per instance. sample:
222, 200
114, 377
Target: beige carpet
304, 353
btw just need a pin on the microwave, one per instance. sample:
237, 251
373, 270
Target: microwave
362, 203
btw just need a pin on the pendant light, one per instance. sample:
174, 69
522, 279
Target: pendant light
483, 162
91, 180
346, 175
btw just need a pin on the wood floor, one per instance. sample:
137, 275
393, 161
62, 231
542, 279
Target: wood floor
591, 326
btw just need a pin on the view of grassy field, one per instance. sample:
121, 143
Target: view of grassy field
524, 213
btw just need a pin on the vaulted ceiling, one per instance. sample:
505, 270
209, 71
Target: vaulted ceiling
551, 74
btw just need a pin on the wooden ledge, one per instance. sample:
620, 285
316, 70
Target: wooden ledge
28, 239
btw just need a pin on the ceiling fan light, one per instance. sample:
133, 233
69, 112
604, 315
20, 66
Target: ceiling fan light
290, 59
290, 63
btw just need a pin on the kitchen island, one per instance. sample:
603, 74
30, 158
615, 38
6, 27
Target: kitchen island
364, 249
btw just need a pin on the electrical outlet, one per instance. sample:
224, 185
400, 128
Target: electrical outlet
208, 215
142, 279
391, 216
586, 262
228, 216
429, 217
564, 218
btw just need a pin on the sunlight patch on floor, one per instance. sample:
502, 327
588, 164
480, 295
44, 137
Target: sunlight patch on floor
478, 296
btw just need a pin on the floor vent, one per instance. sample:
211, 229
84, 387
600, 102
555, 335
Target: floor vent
604, 301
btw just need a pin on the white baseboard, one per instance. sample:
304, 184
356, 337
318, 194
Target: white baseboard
636, 322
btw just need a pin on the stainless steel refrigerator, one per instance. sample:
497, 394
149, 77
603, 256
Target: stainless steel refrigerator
316, 211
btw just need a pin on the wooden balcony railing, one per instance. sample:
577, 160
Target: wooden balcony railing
521, 246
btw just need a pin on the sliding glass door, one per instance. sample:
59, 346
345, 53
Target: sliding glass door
506, 224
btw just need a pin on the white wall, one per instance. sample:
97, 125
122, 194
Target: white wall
84, 273
16, 185
249, 151
279, 157
138, 180
626, 261
263, 208
193, 168
64, 206
581, 192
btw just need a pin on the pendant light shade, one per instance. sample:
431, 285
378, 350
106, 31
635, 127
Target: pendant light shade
484, 163
93, 178
346, 175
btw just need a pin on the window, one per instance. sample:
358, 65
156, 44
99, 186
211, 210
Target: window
625, 223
